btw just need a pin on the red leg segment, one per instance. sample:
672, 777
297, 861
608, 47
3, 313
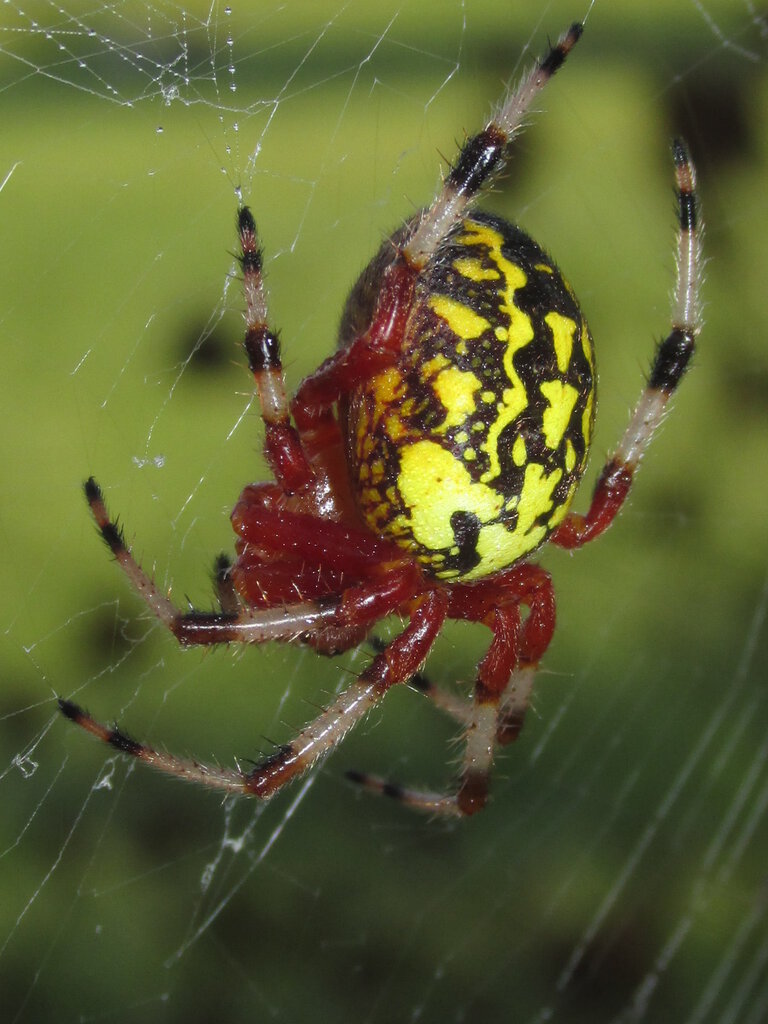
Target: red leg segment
282, 446
369, 353
502, 686
610, 492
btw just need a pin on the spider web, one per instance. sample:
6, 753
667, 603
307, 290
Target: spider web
620, 872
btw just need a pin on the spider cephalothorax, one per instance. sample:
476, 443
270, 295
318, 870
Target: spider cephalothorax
420, 466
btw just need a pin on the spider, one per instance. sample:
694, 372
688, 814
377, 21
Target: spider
420, 466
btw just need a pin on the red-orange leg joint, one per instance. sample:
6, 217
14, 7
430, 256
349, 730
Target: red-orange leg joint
611, 490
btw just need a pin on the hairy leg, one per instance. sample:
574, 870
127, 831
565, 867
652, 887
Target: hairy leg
395, 664
669, 365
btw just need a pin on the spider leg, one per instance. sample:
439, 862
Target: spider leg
333, 617
309, 464
502, 688
225, 589
457, 707
481, 157
242, 624
514, 705
493, 674
537, 632
397, 663
669, 365
282, 446
183, 768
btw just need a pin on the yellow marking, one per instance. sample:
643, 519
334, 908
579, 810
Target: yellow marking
474, 270
519, 454
588, 345
395, 428
365, 444
498, 546
562, 400
536, 495
462, 320
562, 510
385, 388
570, 456
557, 516
588, 418
433, 366
563, 329
514, 400
518, 333
456, 390
434, 485
408, 407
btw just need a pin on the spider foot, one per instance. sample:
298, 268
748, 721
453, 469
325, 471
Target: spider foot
443, 805
113, 736
193, 771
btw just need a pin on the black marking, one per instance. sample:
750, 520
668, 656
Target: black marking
263, 349
113, 737
425, 416
421, 683
466, 531
250, 260
556, 56
680, 153
70, 710
245, 222
92, 491
224, 586
479, 158
686, 210
671, 360
125, 744
204, 627
221, 567
113, 538
280, 756
390, 789
109, 531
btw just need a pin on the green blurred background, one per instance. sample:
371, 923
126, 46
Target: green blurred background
620, 872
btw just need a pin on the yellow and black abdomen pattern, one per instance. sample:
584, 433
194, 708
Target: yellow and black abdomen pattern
468, 450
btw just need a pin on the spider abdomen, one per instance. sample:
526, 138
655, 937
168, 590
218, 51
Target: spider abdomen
468, 450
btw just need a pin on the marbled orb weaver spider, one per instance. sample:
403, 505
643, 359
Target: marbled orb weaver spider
417, 470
